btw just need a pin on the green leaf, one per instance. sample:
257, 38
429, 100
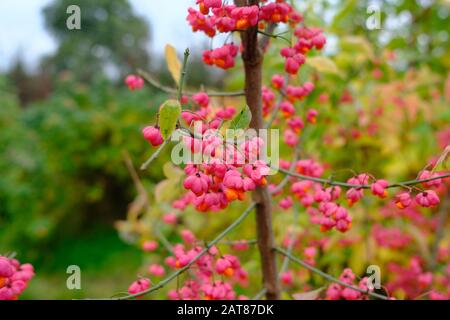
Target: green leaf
242, 119
169, 112
323, 64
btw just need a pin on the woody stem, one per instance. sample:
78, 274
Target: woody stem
253, 58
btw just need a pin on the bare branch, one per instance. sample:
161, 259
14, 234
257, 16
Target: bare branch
146, 164
155, 83
358, 186
327, 276
198, 256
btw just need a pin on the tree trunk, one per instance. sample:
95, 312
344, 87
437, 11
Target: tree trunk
252, 57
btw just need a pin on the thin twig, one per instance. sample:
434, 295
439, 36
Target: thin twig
198, 256
275, 36
358, 186
269, 29
260, 294
155, 83
183, 74
327, 276
145, 165
137, 182
236, 242
141, 190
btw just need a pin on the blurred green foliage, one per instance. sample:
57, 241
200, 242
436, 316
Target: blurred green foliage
416, 30
106, 263
62, 159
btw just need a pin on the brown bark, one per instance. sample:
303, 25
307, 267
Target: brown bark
253, 59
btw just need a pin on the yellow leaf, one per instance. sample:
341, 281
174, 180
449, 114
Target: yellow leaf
173, 64
358, 44
358, 259
322, 64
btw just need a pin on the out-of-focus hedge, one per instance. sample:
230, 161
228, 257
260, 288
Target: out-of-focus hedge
62, 160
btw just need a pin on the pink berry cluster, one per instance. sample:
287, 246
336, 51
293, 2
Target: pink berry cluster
426, 198
139, 285
287, 108
215, 117
319, 201
393, 238
353, 195
307, 39
231, 170
339, 292
329, 214
222, 57
205, 271
413, 279
153, 135
14, 278
213, 186
212, 17
134, 82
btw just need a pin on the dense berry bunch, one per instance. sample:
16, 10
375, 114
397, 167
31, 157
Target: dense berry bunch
228, 170
204, 271
213, 17
412, 280
213, 186
222, 57
339, 292
424, 198
14, 278
134, 82
393, 237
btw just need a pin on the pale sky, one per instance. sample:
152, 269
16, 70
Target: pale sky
22, 27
